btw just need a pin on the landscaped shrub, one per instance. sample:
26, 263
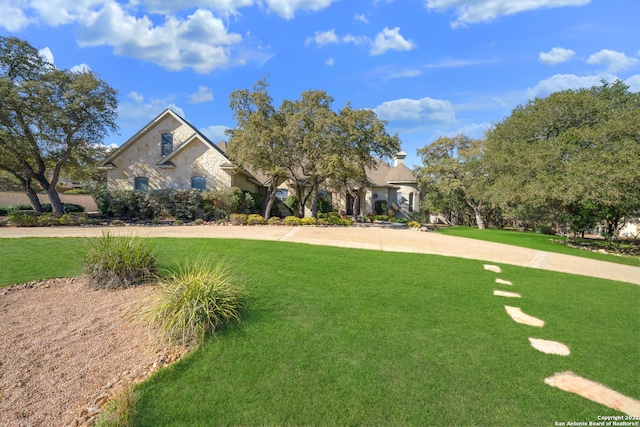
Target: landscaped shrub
238, 219
324, 205
118, 262
48, 219
255, 219
198, 221
73, 219
21, 207
308, 221
380, 207
292, 203
292, 220
197, 299
24, 218
178, 222
274, 220
381, 218
180, 204
117, 222
413, 224
73, 208
125, 204
3, 211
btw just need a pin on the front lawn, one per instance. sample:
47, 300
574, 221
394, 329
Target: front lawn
337, 336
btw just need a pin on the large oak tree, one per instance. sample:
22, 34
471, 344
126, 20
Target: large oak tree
50, 119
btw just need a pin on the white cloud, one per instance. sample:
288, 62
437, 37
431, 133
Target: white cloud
287, 8
224, 7
469, 12
634, 83
204, 94
454, 63
136, 97
330, 62
557, 55
215, 133
46, 53
473, 130
138, 113
322, 38
357, 40
80, 68
13, 17
616, 61
390, 39
200, 42
560, 82
361, 18
414, 110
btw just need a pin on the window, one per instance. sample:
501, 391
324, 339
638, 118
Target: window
167, 144
199, 183
141, 183
281, 194
410, 202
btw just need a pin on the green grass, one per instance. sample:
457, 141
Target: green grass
336, 336
542, 242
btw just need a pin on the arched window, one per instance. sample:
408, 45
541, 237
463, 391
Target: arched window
410, 202
167, 144
141, 183
199, 183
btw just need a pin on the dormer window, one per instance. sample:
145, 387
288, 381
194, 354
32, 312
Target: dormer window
167, 144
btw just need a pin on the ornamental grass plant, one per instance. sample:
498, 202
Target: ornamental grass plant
118, 262
120, 410
198, 298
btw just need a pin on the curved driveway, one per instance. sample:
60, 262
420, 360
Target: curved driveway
376, 238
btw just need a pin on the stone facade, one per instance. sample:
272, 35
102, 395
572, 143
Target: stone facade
193, 155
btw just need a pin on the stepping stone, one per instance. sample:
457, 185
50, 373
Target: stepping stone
520, 317
493, 268
504, 282
568, 381
550, 347
507, 294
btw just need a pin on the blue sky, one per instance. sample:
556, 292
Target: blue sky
429, 68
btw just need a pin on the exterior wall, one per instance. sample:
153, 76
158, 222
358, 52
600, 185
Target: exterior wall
139, 160
17, 197
240, 181
402, 199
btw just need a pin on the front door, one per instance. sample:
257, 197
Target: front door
349, 204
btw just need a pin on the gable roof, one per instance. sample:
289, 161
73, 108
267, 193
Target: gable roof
108, 162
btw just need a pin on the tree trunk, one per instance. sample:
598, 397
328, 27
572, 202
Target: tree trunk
31, 193
272, 197
314, 198
56, 204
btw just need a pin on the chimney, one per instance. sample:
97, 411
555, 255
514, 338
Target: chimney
398, 158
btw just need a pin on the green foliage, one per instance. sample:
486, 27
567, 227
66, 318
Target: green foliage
255, 219
50, 118
8, 182
381, 218
219, 204
77, 191
73, 208
308, 221
124, 204
413, 224
198, 221
118, 262
238, 219
179, 204
292, 220
120, 410
274, 220
292, 203
3, 211
380, 207
24, 218
178, 222
324, 205
195, 300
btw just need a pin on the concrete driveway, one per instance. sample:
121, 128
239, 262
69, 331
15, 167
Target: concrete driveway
374, 238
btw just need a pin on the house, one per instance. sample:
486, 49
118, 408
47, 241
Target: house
170, 153
395, 184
